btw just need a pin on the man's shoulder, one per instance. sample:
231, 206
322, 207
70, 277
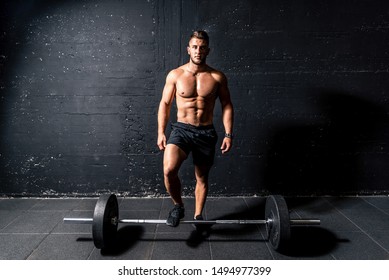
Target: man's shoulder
176, 72
217, 74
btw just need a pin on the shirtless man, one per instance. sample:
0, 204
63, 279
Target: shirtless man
195, 86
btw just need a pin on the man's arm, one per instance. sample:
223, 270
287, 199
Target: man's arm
227, 114
168, 93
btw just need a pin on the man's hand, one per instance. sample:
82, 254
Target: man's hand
161, 142
226, 145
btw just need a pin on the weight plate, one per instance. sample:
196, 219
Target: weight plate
105, 216
278, 222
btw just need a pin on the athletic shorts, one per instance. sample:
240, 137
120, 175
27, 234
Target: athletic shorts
200, 140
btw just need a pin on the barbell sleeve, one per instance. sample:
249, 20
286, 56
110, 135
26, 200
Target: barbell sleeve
78, 220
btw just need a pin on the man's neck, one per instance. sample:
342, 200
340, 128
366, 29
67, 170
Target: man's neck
196, 68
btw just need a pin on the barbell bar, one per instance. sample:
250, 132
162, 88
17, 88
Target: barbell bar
293, 222
106, 219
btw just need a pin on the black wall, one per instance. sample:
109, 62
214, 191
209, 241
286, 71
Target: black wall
81, 82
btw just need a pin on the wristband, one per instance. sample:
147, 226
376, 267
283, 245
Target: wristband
229, 135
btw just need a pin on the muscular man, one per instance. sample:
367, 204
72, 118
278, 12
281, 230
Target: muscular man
196, 87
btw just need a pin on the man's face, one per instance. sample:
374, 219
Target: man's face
198, 51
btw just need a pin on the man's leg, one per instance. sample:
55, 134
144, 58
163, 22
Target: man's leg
201, 191
172, 160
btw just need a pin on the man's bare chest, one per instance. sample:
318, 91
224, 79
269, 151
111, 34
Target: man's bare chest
202, 85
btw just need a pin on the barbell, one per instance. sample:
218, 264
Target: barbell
106, 219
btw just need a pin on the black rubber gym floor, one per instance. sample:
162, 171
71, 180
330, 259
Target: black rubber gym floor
351, 228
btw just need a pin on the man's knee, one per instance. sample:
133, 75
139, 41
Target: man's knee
202, 182
202, 173
173, 158
170, 172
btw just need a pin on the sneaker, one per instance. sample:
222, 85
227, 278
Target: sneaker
177, 213
199, 218
199, 227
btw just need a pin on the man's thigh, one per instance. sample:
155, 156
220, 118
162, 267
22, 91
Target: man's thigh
173, 157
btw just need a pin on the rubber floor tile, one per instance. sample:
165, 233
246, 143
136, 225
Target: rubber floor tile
141, 204
7, 216
240, 250
381, 202
64, 247
131, 244
56, 205
332, 220
357, 246
35, 222
226, 204
349, 203
368, 219
180, 247
381, 237
17, 203
86, 204
18, 246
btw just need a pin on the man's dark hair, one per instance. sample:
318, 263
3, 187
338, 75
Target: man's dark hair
200, 34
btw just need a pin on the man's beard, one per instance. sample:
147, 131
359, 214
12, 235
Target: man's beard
199, 61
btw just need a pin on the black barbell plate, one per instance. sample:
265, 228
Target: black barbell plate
103, 229
278, 225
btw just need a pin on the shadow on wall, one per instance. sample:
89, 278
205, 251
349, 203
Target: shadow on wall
324, 157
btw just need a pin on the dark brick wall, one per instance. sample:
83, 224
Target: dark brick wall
81, 81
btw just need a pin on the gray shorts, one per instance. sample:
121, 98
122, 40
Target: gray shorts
200, 140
